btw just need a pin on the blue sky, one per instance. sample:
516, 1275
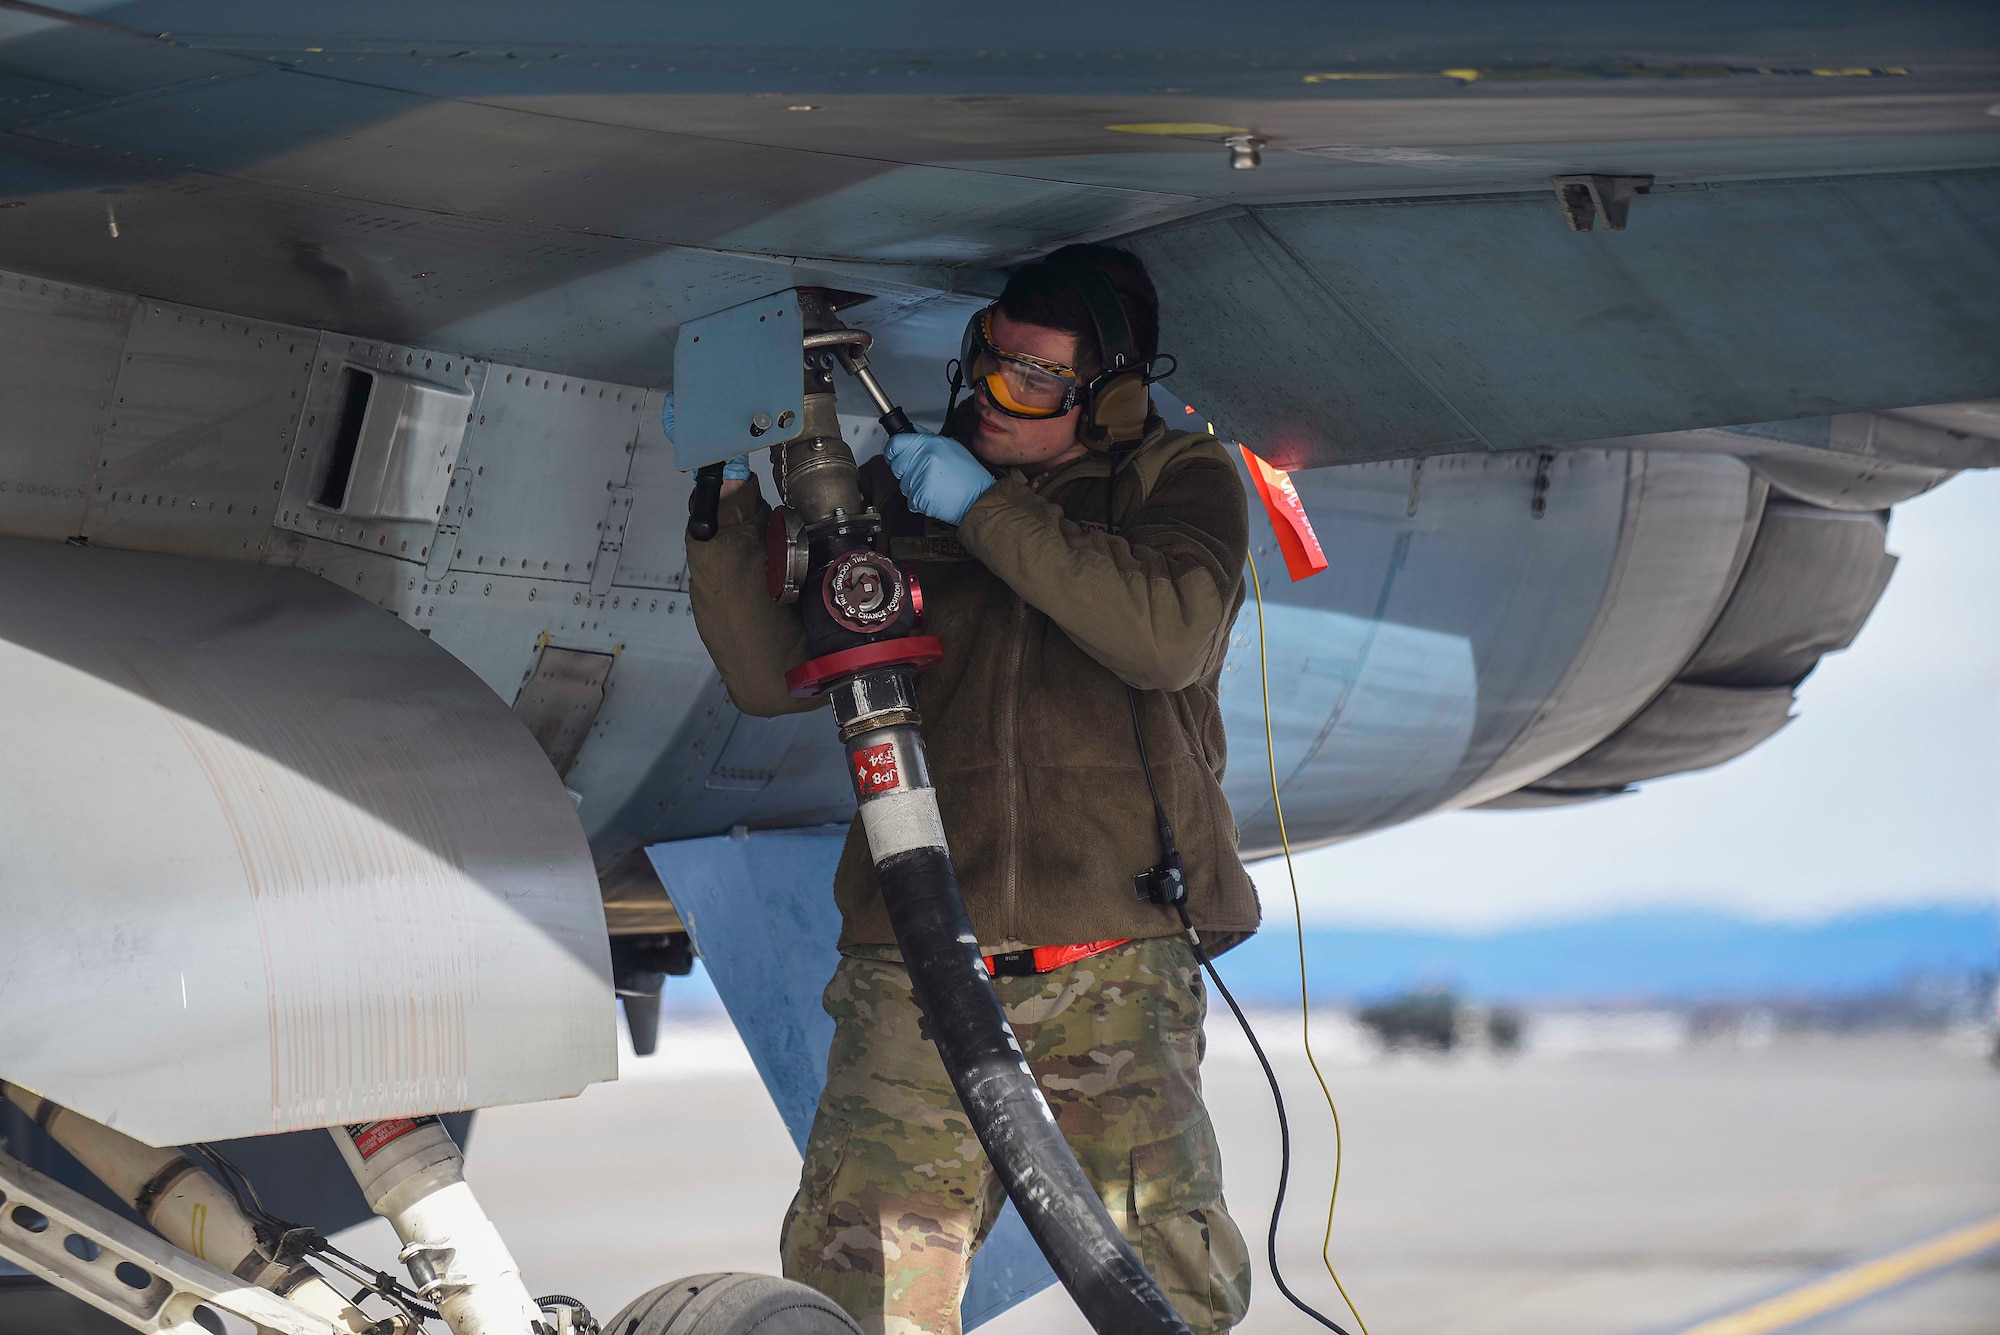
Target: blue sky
1636, 956
1885, 790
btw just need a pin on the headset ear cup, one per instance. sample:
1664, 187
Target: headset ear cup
1118, 412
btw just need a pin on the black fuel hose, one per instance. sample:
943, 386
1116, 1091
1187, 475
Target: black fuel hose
1005, 1106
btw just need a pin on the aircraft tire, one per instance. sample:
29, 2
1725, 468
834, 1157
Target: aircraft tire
732, 1303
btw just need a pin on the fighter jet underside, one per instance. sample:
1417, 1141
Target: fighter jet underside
360, 727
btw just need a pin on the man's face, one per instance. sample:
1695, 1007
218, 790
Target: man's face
1015, 442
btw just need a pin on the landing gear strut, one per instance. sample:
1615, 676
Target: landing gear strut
260, 1272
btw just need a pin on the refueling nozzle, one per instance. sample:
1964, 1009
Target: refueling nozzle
851, 347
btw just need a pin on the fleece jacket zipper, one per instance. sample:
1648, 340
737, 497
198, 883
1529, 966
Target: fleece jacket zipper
1009, 754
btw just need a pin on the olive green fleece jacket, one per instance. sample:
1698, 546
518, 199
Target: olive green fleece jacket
1045, 618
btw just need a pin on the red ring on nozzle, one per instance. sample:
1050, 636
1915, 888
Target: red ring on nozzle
813, 676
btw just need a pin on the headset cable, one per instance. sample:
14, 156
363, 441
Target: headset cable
1166, 883
1305, 1008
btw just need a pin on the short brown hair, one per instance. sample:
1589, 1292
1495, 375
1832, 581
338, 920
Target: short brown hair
1041, 294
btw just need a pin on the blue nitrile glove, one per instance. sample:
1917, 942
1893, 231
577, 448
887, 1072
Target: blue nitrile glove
940, 478
667, 414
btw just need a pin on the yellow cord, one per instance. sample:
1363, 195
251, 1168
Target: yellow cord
1298, 919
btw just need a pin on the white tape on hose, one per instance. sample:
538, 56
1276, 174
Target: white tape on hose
898, 822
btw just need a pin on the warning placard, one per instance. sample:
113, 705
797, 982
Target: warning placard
370, 1137
875, 769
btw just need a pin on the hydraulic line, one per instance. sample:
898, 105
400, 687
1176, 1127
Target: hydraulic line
412, 1174
188, 1208
860, 611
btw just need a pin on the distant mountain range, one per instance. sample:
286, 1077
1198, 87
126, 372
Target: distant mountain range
1661, 956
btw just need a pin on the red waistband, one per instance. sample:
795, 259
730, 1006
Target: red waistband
1046, 959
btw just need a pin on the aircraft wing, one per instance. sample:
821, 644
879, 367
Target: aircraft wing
1397, 274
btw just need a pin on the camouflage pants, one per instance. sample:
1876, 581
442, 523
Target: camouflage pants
897, 1194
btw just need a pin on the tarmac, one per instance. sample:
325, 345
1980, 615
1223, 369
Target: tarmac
1615, 1179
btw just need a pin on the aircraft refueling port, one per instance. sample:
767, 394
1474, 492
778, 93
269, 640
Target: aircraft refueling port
859, 609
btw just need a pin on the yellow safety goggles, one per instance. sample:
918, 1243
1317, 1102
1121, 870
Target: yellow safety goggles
1015, 383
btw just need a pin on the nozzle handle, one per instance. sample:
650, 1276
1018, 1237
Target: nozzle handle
705, 501
897, 422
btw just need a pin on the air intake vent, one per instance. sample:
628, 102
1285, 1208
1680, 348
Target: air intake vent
356, 388
393, 447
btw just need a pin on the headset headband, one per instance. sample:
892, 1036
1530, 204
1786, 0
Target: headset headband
1107, 312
